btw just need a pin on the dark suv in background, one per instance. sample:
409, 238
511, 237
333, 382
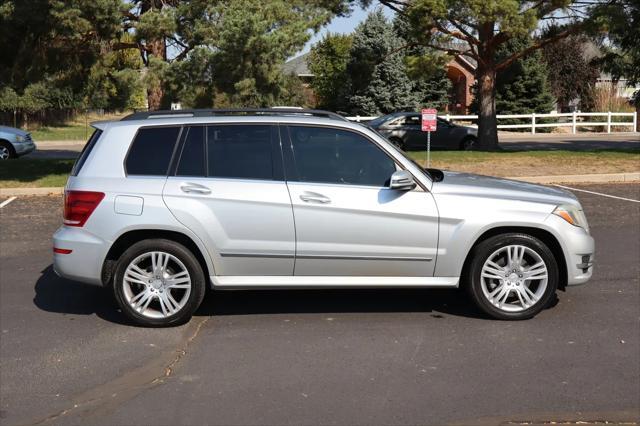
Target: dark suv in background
403, 129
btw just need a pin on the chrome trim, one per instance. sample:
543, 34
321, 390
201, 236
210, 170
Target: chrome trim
402, 258
330, 257
268, 255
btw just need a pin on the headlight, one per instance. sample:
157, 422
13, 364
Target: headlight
572, 214
21, 139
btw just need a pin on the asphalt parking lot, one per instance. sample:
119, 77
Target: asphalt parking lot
67, 356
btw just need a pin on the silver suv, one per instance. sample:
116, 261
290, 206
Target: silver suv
162, 205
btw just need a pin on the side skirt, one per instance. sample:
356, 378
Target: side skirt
307, 282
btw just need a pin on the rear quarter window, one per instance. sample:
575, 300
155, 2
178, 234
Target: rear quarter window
151, 151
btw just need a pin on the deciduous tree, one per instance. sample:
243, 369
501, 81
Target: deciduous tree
482, 27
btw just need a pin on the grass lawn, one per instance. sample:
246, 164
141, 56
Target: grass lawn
25, 172
75, 130
533, 163
28, 172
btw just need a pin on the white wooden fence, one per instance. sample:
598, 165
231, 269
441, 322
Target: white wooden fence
572, 119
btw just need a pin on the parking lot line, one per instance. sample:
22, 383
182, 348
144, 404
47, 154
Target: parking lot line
598, 193
5, 202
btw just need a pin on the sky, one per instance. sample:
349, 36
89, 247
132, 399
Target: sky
344, 25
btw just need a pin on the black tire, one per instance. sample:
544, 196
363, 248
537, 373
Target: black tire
7, 147
468, 143
485, 249
398, 143
189, 261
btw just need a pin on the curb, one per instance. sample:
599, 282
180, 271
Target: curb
60, 143
592, 178
10, 192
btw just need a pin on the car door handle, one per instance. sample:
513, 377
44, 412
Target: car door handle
195, 188
313, 197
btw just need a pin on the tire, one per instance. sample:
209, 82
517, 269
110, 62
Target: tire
147, 297
468, 143
6, 151
518, 292
398, 143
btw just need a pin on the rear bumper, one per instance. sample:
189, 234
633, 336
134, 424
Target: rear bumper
84, 263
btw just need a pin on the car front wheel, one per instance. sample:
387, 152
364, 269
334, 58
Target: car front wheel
512, 276
158, 283
6, 151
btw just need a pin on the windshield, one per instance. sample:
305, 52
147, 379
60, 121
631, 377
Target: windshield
378, 121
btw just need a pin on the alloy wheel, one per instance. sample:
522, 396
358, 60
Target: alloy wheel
514, 278
156, 284
5, 154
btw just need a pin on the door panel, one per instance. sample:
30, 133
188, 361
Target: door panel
363, 231
228, 189
247, 226
348, 223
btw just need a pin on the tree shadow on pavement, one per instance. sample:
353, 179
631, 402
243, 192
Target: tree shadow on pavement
60, 295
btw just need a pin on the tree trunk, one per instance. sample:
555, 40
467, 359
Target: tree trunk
155, 91
487, 123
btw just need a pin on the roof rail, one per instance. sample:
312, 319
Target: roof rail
283, 111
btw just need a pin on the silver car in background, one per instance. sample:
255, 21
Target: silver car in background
15, 143
162, 205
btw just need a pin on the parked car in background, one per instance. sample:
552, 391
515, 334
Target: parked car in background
14, 143
162, 205
404, 130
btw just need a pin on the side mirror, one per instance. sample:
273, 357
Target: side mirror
402, 180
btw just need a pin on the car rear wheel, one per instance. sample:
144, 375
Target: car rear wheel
512, 276
6, 151
468, 143
158, 283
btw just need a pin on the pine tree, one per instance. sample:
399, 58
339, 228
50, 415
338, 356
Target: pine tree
523, 87
378, 80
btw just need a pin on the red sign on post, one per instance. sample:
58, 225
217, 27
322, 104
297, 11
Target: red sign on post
429, 121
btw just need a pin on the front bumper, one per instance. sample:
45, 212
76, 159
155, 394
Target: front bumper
24, 148
84, 263
578, 247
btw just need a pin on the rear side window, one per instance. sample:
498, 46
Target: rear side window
151, 151
240, 151
192, 157
86, 150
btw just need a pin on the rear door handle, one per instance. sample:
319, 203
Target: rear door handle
314, 197
194, 188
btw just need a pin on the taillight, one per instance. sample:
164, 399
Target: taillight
78, 206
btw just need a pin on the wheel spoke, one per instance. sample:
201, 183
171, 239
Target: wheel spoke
163, 306
522, 302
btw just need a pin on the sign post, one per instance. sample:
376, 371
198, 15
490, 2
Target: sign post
429, 124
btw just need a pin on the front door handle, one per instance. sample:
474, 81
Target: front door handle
314, 197
194, 188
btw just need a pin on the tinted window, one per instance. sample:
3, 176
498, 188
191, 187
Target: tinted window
240, 151
192, 156
151, 151
412, 120
86, 150
328, 155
